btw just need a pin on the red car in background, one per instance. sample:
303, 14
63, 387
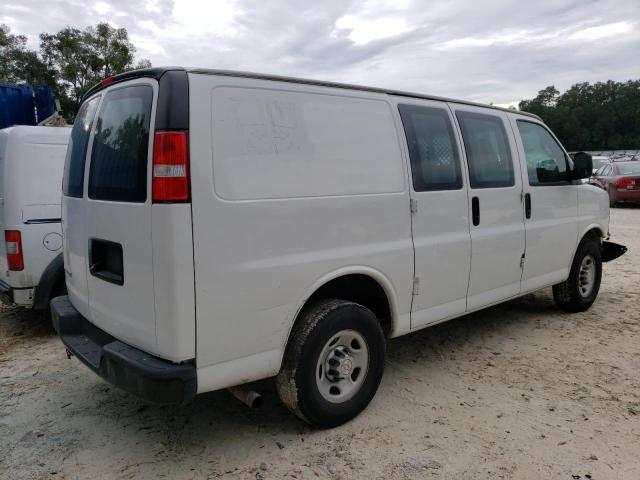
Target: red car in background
621, 180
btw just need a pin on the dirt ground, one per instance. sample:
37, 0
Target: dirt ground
519, 391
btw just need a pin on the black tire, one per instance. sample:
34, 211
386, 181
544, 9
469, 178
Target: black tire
568, 295
297, 384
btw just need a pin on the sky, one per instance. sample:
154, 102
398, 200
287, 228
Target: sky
481, 50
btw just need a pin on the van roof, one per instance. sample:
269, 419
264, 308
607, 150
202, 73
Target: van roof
157, 72
36, 134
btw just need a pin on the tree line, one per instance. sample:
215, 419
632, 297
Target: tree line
599, 116
71, 61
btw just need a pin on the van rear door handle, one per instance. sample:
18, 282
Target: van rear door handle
527, 205
475, 211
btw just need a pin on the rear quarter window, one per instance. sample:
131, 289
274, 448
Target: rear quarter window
121, 145
633, 169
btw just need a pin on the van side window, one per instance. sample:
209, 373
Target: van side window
73, 177
120, 146
487, 148
432, 148
546, 161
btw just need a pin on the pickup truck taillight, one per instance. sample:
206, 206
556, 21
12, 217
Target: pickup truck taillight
13, 243
170, 167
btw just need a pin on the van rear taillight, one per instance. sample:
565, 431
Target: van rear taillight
13, 242
171, 167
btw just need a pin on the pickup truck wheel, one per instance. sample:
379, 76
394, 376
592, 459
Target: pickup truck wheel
580, 290
333, 364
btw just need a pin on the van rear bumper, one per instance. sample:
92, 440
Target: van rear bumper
146, 376
19, 296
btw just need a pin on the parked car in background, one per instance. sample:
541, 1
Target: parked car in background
621, 180
599, 161
224, 227
31, 165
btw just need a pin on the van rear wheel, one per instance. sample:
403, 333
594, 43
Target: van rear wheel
580, 290
333, 364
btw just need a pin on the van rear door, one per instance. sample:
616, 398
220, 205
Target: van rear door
109, 228
120, 257
128, 233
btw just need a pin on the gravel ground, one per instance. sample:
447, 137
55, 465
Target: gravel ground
518, 391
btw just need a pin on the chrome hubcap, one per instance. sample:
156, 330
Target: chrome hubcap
342, 366
587, 276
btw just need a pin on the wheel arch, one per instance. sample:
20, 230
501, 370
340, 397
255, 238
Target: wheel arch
362, 284
51, 276
593, 232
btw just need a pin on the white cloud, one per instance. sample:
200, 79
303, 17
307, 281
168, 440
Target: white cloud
101, 8
213, 16
603, 31
363, 31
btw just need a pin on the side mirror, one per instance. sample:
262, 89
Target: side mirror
582, 166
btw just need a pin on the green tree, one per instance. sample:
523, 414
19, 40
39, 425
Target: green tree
18, 63
600, 116
81, 58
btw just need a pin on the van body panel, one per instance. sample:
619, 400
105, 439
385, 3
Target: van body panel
41, 213
441, 237
173, 287
31, 164
498, 241
250, 282
593, 212
76, 268
125, 310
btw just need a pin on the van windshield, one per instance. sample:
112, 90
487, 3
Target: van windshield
120, 146
72, 180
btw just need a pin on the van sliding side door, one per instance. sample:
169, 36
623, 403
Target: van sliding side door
495, 205
440, 217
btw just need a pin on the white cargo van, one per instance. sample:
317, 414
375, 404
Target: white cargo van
31, 164
224, 227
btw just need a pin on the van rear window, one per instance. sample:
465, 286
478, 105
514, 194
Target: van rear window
73, 177
120, 146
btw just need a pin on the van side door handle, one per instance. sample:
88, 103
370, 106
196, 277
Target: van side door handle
527, 205
475, 211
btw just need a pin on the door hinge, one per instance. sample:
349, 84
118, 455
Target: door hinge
413, 205
416, 286
522, 261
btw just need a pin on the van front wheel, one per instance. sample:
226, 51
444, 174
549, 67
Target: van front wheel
580, 290
333, 364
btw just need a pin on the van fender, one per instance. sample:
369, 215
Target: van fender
592, 226
49, 278
374, 274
